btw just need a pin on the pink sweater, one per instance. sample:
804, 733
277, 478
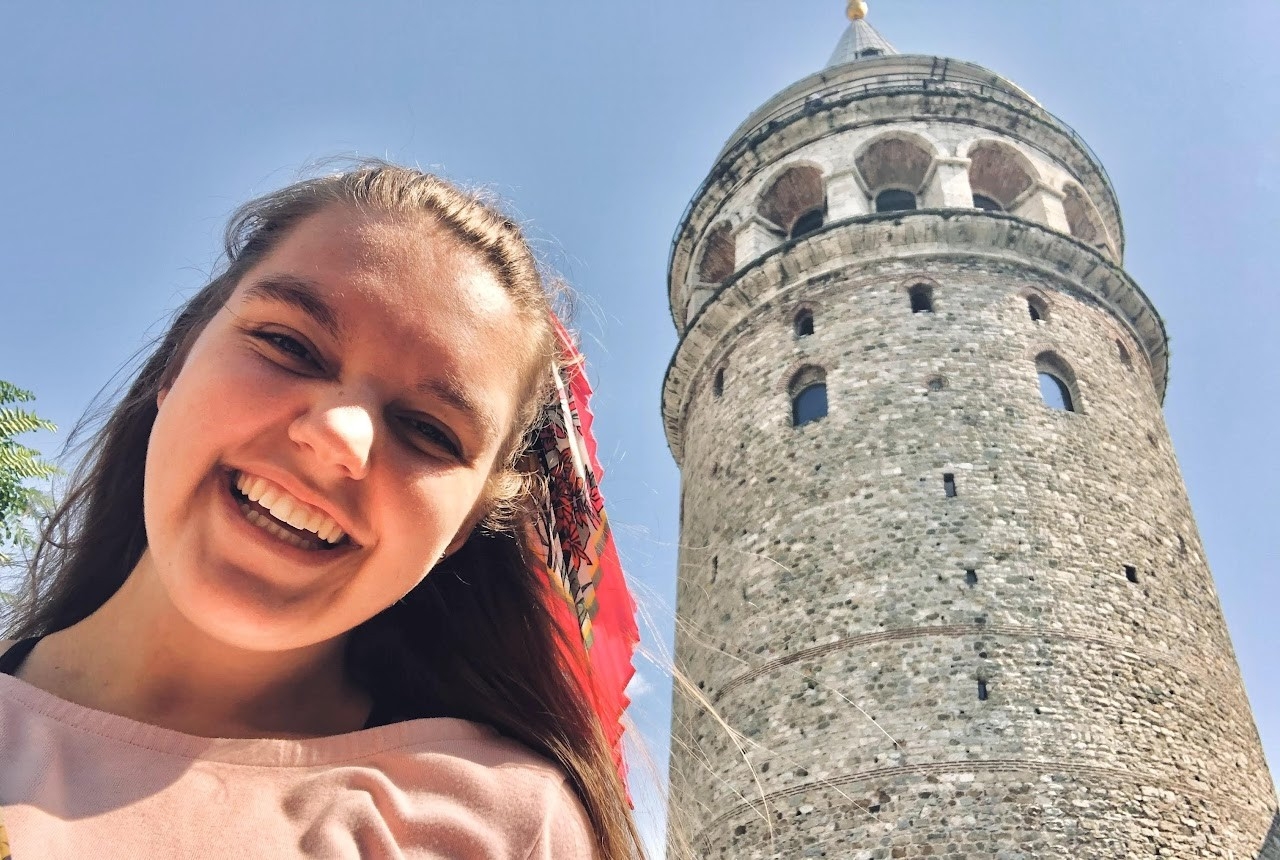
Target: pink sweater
78, 783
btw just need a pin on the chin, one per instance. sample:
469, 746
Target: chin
245, 611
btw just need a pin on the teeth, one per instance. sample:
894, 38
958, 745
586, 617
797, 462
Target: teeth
282, 509
287, 509
312, 522
267, 525
254, 488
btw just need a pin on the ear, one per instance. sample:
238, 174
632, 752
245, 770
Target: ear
465, 531
464, 534
482, 509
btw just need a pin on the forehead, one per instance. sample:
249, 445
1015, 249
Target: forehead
404, 260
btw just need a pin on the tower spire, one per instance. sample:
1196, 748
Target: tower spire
860, 41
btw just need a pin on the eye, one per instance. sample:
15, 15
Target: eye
287, 346
424, 432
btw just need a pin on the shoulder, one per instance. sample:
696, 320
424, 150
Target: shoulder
545, 813
497, 770
525, 799
566, 830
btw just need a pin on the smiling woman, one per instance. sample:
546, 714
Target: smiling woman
334, 579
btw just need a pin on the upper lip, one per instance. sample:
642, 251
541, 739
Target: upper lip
304, 494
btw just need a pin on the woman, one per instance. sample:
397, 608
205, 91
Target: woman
348, 493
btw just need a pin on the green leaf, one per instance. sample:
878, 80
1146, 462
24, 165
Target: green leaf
10, 393
23, 462
17, 421
20, 504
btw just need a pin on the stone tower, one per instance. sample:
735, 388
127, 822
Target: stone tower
938, 566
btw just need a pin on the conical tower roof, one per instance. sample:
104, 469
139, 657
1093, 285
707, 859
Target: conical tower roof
859, 42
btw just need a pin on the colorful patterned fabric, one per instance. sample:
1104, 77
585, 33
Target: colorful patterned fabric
580, 558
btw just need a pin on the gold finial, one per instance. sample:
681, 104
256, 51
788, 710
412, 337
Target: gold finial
857, 10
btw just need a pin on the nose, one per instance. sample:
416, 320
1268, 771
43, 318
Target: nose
340, 435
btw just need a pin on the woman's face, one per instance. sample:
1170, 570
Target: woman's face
330, 434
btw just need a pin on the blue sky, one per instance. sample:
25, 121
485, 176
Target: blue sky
132, 130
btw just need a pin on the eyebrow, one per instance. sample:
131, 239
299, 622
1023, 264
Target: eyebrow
454, 395
300, 294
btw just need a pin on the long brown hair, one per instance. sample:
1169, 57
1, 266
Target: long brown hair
476, 635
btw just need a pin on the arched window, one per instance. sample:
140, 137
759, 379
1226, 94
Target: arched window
893, 168
717, 261
894, 200
795, 200
804, 322
921, 299
807, 223
808, 391
1057, 383
1037, 309
810, 404
1056, 393
999, 175
1083, 219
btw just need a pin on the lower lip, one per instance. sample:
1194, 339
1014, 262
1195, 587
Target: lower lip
263, 538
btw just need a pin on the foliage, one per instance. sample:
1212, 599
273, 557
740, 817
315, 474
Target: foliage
20, 503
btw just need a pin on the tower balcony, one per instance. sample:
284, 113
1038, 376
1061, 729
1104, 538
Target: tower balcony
842, 249
947, 106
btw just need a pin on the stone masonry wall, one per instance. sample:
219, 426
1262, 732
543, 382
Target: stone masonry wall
827, 609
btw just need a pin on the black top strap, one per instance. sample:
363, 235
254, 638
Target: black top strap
380, 715
11, 661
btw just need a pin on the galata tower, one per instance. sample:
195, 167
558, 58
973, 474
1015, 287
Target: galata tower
940, 591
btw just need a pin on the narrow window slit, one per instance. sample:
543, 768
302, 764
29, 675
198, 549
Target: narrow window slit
1131, 573
982, 691
971, 577
1125, 359
804, 323
921, 299
949, 485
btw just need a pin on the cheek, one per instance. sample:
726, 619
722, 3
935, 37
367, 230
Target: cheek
433, 517
217, 401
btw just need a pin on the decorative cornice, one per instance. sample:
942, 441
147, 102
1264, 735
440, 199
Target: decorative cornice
865, 240
820, 99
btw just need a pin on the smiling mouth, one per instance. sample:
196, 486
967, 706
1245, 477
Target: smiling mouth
285, 518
